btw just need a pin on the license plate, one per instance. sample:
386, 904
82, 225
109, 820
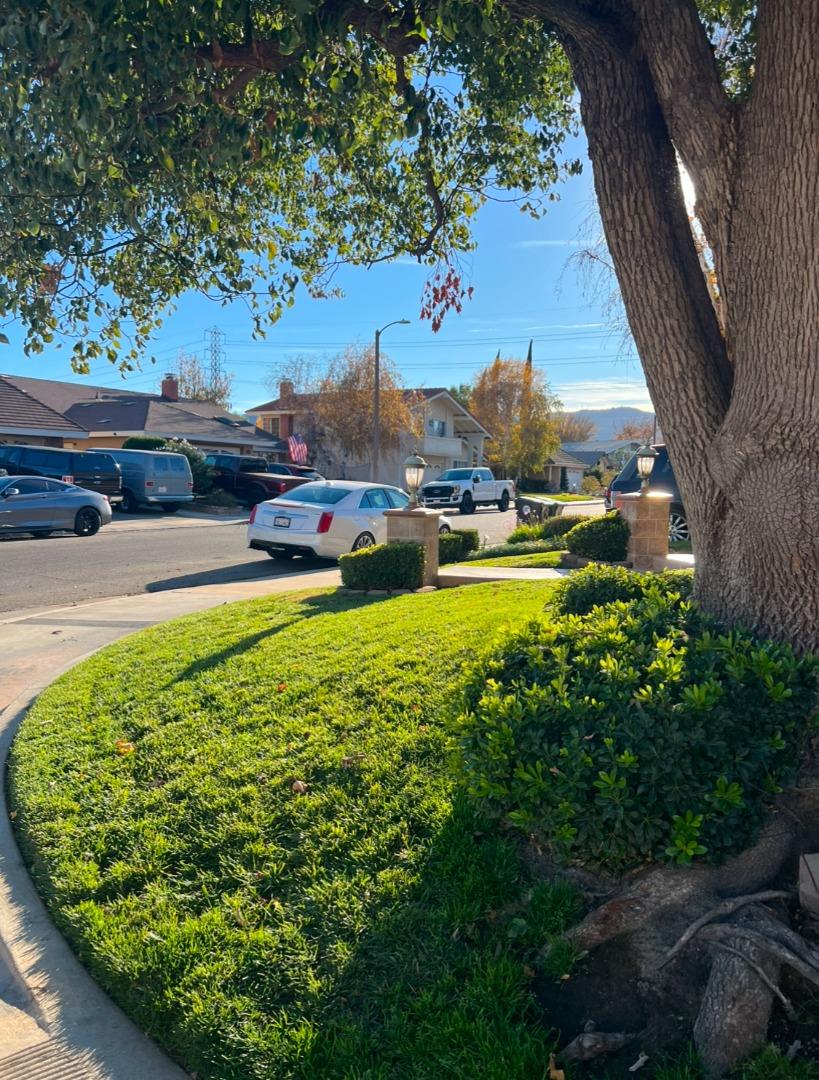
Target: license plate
161, 489
281, 522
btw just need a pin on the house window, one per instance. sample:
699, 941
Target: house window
271, 425
460, 464
436, 427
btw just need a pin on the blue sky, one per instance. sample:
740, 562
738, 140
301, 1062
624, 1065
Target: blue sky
522, 289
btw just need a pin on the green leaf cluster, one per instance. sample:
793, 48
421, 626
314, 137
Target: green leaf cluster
635, 732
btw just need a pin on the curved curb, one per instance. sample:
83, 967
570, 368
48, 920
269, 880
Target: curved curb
54, 1018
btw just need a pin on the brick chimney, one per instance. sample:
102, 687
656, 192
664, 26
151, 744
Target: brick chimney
170, 388
286, 390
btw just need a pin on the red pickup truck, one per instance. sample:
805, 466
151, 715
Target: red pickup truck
252, 480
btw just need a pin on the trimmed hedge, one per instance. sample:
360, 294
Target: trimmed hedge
603, 538
596, 585
553, 526
455, 546
637, 732
384, 566
471, 537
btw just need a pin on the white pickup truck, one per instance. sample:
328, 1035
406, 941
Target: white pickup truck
467, 489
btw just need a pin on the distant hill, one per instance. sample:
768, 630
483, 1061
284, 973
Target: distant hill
610, 421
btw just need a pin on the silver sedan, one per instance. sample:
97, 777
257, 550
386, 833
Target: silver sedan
32, 504
325, 518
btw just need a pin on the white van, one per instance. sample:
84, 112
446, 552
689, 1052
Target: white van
153, 478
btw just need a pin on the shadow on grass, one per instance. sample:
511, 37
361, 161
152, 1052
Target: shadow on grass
439, 985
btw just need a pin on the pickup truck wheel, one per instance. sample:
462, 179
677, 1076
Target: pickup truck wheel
129, 504
503, 502
467, 504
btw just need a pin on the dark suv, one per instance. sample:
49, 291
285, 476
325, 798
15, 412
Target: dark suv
662, 479
90, 469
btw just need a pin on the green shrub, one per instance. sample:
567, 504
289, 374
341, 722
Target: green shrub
384, 566
471, 539
221, 498
450, 548
595, 585
603, 538
532, 547
543, 530
144, 442
636, 732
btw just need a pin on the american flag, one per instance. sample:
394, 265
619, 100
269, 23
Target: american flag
298, 449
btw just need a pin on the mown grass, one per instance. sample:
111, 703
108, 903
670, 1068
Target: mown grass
564, 497
541, 559
244, 823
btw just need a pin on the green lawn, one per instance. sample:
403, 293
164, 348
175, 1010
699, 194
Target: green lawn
243, 821
543, 558
563, 497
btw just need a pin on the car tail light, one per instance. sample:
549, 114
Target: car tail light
325, 521
149, 483
253, 514
189, 485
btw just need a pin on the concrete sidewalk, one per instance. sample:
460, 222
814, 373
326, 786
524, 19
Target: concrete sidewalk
55, 1022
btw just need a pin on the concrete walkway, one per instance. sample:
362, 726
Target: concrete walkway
55, 1022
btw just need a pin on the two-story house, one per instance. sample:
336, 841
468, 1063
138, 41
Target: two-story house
451, 438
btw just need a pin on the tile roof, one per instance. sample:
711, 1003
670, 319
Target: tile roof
20, 411
565, 461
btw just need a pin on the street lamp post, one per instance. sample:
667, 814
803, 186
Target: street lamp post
376, 450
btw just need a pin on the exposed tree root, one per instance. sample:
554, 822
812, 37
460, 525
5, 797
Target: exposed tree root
696, 944
727, 907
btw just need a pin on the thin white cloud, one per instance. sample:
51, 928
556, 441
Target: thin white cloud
407, 261
603, 394
547, 243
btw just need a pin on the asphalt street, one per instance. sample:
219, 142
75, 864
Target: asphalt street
151, 552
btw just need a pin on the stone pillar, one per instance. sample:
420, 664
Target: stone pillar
417, 526
647, 515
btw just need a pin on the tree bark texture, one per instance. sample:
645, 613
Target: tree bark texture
740, 410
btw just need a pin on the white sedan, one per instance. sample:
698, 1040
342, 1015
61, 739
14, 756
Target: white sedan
325, 518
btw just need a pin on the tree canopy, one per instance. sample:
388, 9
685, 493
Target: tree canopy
240, 149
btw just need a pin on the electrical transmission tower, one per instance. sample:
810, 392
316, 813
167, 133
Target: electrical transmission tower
215, 353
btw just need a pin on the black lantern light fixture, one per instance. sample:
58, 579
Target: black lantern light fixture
414, 474
646, 456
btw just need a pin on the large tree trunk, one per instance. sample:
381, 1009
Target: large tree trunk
740, 412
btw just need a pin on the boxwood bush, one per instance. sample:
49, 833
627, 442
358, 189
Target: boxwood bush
384, 566
542, 530
471, 539
450, 548
599, 584
603, 538
636, 732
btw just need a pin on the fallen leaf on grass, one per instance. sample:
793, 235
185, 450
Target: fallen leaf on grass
348, 762
124, 747
554, 1072
298, 787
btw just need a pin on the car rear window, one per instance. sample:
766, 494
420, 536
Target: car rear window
95, 462
319, 494
252, 465
176, 463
